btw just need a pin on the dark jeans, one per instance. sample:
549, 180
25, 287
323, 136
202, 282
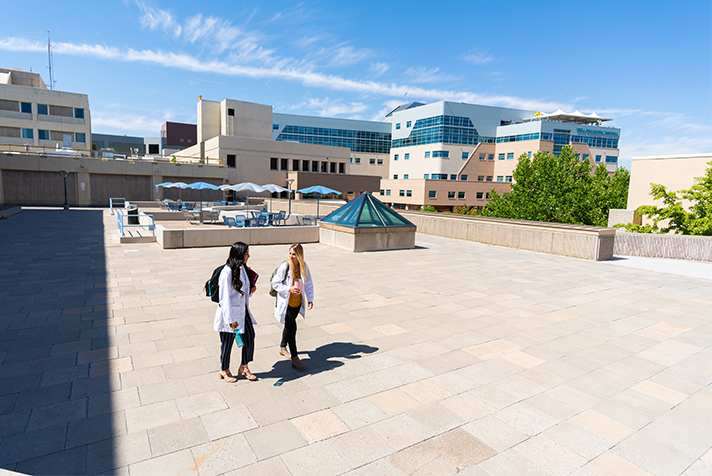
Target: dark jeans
248, 349
289, 334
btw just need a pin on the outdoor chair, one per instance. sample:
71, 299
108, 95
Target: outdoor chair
212, 216
308, 220
261, 220
240, 221
188, 206
280, 217
173, 206
190, 215
229, 221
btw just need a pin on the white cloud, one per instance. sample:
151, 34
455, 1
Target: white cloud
157, 19
426, 75
126, 122
329, 108
378, 68
478, 58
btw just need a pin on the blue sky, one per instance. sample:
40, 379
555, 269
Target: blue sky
645, 64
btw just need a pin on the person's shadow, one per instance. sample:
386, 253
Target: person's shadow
322, 359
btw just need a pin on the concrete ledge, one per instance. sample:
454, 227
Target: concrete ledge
198, 237
577, 241
367, 239
698, 248
10, 212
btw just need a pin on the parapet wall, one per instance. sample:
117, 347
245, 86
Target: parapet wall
200, 237
578, 241
698, 248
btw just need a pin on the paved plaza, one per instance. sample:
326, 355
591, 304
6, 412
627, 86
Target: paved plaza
451, 357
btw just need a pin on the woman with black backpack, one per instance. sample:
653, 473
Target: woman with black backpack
233, 319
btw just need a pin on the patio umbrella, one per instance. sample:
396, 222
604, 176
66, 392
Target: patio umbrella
201, 186
274, 188
249, 186
164, 184
178, 185
319, 190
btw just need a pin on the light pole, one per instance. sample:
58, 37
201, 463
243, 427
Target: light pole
289, 186
64, 175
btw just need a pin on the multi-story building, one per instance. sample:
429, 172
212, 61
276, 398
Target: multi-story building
448, 154
177, 136
39, 118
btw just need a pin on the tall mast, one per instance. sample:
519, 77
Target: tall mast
51, 66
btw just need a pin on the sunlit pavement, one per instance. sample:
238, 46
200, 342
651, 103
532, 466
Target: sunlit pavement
454, 356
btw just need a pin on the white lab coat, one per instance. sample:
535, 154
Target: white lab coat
232, 305
280, 307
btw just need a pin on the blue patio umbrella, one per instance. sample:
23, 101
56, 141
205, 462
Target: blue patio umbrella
201, 186
178, 185
319, 190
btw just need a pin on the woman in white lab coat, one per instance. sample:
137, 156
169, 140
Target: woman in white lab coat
233, 312
295, 294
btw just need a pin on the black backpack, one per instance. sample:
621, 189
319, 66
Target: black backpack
212, 290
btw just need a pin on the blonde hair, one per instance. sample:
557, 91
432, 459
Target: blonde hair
299, 251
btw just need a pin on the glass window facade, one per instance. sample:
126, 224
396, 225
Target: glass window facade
80, 137
427, 154
357, 141
43, 134
43, 109
510, 156
28, 133
78, 113
26, 107
432, 194
441, 153
461, 195
440, 129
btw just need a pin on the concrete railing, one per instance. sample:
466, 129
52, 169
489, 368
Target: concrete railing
578, 241
698, 248
199, 237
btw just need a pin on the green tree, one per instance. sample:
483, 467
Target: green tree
695, 220
560, 189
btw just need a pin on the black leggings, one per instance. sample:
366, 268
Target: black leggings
248, 349
289, 334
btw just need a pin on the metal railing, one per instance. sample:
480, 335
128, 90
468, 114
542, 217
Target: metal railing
122, 221
116, 203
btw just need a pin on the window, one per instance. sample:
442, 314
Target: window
153, 149
408, 193
284, 164
43, 134
405, 176
427, 155
395, 157
305, 166
372, 161
598, 158
351, 159
78, 113
463, 177
231, 112
453, 176
465, 155
324, 167
380, 161
395, 177
398, 125
451, 195
332, 167
315, 165
529, 154
382, 191
480, 178
432, 194
461, 195
510, 155
500, 178
275, 127
508, 179
426, 176
489, 178
273, 162
43, 109
585, 156
401, 193
295, 165
231, 160
27, 133
357, 160
407, 124
490, 157
80, 137
480, 195
407, 156
487, 195
26, 107
483, 156
388, 193
441, 153
500, 157
611, 159
342, 169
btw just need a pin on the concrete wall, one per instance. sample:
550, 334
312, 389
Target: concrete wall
697, 248
367, 239
204, 237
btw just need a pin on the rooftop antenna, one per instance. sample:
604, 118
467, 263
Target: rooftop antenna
51, 66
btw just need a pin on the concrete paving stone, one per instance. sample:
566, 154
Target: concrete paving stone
13, 423
633, 408
426, 391
223, 455
495, 433
467, 406
161, 391
113, 401
269, 467
495, 396
151, 416
401, 431
361, 447
359, 413
96, 428
32, 444
394, 402
698, 468
14, 370
71, 461
228, 422
508, 462
200, 404
550, 456
136, 378
321, 458
180, 463
176, 436
97, 355
7, 403
275, 439
578, 439
51, 415
62, 375
602, 425
38, 397
319, 425
95, 385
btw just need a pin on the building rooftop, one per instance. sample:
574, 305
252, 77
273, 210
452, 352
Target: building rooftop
450, 356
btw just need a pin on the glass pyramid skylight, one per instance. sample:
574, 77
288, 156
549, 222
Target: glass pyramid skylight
366, 211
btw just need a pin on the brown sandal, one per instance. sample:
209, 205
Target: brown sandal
227, 375
284, 353
243, 370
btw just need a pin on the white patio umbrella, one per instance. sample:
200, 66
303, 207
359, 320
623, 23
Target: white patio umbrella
202, 186
249, 186
274, 188
178, 185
